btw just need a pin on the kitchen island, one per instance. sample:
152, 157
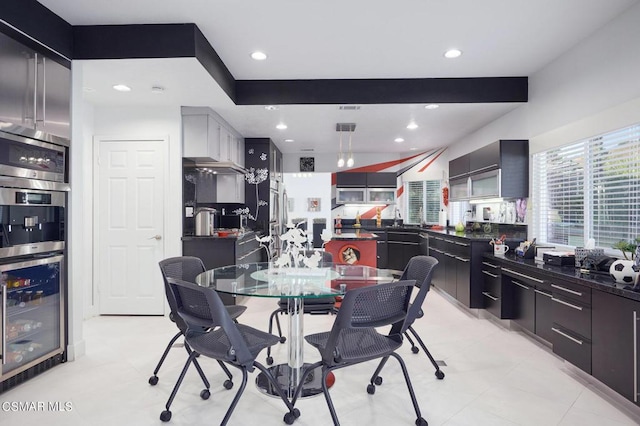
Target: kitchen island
354, 248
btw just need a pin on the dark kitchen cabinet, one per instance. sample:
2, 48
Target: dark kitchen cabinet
493, 294
351, 180
544, 319
524, 303
615, 343
571, 312
261, 154
459, 166
401, 246
382, 180
382, 254
485, 158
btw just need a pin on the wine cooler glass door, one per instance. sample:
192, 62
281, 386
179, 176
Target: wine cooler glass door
32, 314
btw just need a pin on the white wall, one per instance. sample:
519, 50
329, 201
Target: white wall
591, 89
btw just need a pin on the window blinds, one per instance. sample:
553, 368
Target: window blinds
423, 201
589, 189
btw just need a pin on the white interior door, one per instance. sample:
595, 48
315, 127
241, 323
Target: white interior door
129, 208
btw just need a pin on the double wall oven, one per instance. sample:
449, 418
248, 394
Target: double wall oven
33, 197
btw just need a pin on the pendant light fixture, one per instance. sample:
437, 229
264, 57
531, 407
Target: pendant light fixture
340, 156
350, 158
345, 127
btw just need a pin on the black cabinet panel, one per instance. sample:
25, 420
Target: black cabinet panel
572, 347
459, 166
382, 180
485, 158
463, 280
382, 254
544, 319
351, 180
613, 342
524, 303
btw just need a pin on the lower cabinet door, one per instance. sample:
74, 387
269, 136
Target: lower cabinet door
572, 347
544, 320
615, 341
524, 304
463, 280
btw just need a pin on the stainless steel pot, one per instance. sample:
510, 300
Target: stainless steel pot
205, 221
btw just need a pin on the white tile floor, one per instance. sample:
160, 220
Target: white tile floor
493, 377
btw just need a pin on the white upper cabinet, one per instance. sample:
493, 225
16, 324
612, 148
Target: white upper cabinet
200, 137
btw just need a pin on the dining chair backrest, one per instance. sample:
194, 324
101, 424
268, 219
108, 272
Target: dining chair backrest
373, 306
184, 268
202, 310
420, 269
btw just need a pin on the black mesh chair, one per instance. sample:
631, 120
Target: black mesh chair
420, 269
315, 306
354, 338
186, 268
211, 332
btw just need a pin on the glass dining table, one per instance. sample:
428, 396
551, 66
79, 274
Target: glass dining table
294, 284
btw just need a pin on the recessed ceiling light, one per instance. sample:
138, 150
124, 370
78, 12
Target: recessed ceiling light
452, 53
398, 140
288, 140
281, 126
157, 89
122, 88
432, 106
412, 126
259, 56
271, 107
412, 149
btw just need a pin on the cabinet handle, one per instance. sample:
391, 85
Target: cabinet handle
495, 299
424, 237
4, 323
635, 356
543, 293
578, 308
461, 259
492, 166
490, 265
520, 285
439, 238
489, 273
44, 90
35, 88
449, 241
567, 336
522, 275
577, 293
461, 244
449, 254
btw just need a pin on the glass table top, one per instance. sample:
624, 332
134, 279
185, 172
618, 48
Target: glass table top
268, 280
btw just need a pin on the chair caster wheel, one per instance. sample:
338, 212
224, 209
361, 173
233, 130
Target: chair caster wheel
415, 350
165, 416
296, 412
269, 360
371, 389
378, 380
228, 384
283, 339
153, 380
290, 417
205, 394
421, 422
439, 374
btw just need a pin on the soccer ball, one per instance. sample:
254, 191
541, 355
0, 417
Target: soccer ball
622, 271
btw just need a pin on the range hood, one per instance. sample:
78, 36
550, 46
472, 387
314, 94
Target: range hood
218, 167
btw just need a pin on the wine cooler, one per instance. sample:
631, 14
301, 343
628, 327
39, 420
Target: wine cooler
32, 312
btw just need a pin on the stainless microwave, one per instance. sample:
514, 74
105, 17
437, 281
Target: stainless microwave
25, 157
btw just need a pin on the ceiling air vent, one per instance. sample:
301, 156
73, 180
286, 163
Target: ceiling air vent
307, 150
350, 107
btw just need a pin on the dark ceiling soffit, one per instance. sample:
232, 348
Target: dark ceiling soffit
383, 91
34, 19
151, 41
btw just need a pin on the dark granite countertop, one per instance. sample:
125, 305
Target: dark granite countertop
238, 236
353, 236
599, 281
480, 236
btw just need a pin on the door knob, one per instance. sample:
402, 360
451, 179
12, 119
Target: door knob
156, 237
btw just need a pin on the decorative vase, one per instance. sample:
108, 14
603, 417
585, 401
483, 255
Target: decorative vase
622, 272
